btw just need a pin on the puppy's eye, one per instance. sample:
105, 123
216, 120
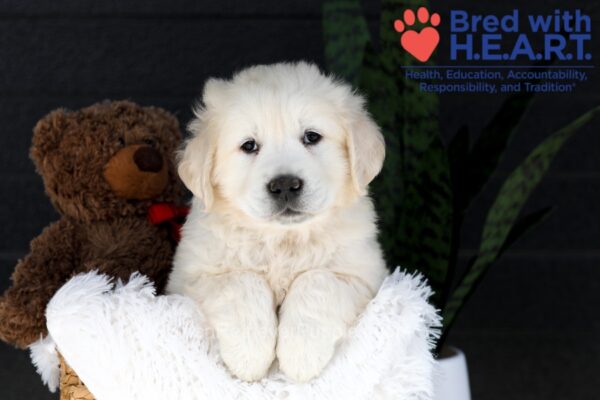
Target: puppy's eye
249, 146
121, 141
311, 137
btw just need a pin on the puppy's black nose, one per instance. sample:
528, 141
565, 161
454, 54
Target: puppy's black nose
285, 187
148, 159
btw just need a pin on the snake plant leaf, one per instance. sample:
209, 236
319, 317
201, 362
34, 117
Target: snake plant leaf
424, 233
523, 226
345, 34
447, 326
458, 148
504, 212
458, 154
383, 90
489, 148
383, 101
413, 195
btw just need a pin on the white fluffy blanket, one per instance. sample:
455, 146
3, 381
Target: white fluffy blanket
126, 343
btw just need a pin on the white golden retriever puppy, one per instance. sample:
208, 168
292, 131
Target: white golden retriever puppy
280, 248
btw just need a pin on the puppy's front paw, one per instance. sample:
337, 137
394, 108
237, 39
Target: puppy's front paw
240, 309
303, 354
248, 355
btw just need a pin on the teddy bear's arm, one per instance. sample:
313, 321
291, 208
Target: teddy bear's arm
36, 278
157, 269
139, 247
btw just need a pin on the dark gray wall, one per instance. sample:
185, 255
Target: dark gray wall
529, 333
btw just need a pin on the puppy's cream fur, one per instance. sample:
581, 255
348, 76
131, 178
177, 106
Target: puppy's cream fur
240, 258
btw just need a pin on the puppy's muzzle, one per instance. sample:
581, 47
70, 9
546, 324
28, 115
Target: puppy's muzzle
285, 188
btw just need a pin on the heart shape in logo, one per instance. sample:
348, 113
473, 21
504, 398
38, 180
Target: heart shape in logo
420, 44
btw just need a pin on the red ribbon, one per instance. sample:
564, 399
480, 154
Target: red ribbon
161, 213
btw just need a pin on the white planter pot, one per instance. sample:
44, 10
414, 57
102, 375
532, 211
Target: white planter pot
452, 377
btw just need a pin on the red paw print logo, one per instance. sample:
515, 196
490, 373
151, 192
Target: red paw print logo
419, 44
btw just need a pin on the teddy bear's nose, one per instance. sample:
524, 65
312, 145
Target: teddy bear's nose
148, 159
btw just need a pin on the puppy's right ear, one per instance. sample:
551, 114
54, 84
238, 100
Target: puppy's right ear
213, 94
366, 148
196, 164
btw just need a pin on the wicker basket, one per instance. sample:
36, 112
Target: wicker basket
71, 387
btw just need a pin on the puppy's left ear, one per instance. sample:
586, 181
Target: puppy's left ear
196, 164
366, 149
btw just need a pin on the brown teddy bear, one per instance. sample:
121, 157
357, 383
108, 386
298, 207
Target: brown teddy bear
109, 172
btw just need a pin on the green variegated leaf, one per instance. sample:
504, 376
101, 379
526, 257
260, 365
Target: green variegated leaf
416, 215
489, 147
520, 228
524, 225
346, 35
504, 212
458, 148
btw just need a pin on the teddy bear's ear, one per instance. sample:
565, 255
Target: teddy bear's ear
47, 135
172, 124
